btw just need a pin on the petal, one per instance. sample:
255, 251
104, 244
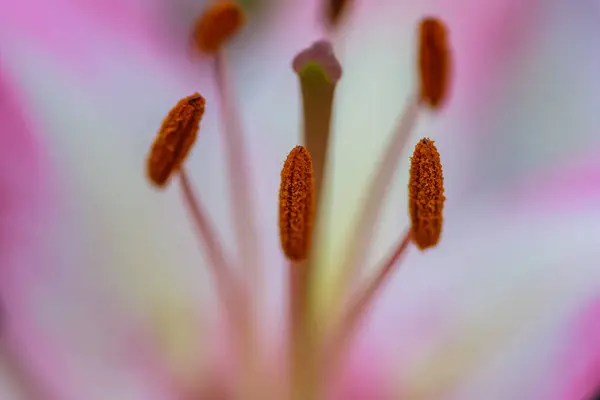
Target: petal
580, 356
25, 206
485, 312
366, 373
68, 27
542, 115
576, 183
49, 326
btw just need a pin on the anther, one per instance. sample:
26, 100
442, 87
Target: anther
296, 204
217, 25
434, 62
175, 139
426, 194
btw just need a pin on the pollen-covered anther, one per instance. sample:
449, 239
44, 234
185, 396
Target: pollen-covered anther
296, 204
434, 62
175, 139
426, 194
217, 25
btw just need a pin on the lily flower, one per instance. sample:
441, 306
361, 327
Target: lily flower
350, 269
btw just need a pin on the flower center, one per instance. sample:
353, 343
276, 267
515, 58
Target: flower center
312, 356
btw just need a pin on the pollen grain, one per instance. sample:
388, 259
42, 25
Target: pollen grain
426, 194
296, 204
175, 139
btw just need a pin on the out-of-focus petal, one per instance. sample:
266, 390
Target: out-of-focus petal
574, 184
367, 372
82, 34
68, 27
578, 368
70, 325
543, 115
24, 207
497, 301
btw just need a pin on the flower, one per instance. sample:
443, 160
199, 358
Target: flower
125, 310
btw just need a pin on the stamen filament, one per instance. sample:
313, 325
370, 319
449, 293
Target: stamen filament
242, 205
363, 300
228, 287
233, 295
296, 214
239, 179
300, 345
376, 192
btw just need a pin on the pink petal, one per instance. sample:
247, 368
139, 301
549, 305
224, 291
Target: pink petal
83, 33
581, 362
28, 271
575, 184
23, 178
24, 201
69, 26
365, 374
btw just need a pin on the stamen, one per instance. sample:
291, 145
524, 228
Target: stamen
434, 62
319, 71
296, 213
335, 10
175, 139
296, 204
426, 194
217, 25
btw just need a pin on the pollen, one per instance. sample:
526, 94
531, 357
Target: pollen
434, 62
175, 139
296, 204
426, 194
217, 25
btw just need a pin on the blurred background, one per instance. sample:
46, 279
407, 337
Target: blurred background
106, 294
